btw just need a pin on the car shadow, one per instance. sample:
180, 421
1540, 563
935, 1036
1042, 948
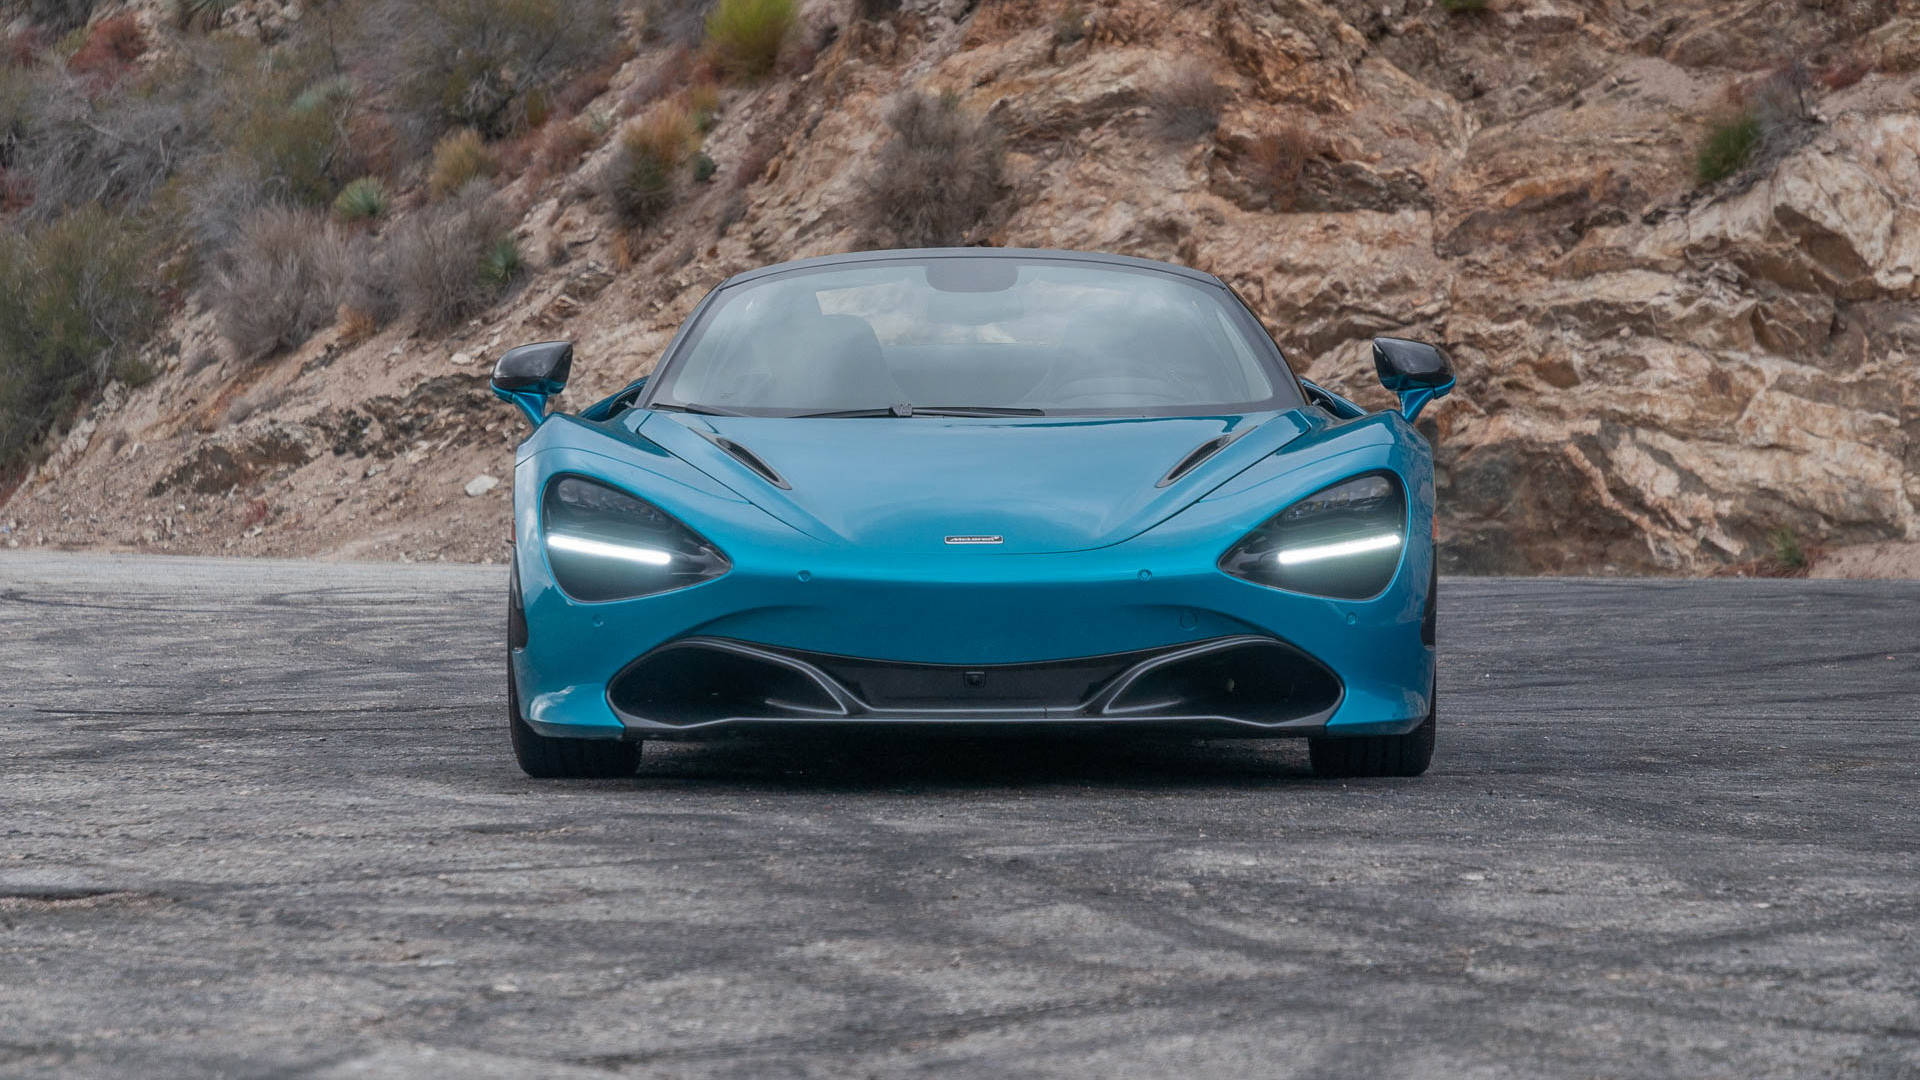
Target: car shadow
893, 764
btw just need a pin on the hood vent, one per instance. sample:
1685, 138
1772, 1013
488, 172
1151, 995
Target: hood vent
751, 460
1194, 457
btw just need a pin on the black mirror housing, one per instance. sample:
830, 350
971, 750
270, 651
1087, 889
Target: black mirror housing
530, 374
1415, 371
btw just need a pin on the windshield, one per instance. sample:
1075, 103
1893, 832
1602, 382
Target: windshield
977, 336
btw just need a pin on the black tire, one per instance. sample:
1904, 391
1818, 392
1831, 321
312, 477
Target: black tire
1374, 755
546, 758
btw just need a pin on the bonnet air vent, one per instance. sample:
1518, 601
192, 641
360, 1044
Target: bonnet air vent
752, 461
1193, 459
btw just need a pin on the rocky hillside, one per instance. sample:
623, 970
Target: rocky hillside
1671, 246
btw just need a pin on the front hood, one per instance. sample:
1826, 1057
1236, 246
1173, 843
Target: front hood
906, 484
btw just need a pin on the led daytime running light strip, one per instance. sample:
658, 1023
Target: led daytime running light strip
580, 545
1296, 556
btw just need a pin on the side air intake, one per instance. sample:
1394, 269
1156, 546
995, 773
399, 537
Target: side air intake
1194, 457
752, 461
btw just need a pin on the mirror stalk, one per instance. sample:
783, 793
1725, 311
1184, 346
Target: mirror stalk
1414, 371
528, 375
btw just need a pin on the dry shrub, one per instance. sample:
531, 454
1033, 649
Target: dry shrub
993, 20
16, 112
115, 152
356, 325
112, 45
1844, 72
370, 299
562, 146
55, 16
581, 91
642, 179
458, 160
673, 22
753, 162
667, 74
744, 36
1276, 161
282, 281
703, 104
936, 177
491, 65
71, 302
1187, 102
1758, 124
22, 47
440, 257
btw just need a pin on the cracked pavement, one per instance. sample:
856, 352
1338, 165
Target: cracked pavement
261, 819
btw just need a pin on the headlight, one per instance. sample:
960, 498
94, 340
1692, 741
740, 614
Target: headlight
604, 544
1342, 541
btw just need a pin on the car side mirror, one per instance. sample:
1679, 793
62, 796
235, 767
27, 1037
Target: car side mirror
1415, 371
528, 375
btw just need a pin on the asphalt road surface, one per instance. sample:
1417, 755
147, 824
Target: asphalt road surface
260, 819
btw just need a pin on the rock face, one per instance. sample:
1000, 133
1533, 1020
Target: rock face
1655, 376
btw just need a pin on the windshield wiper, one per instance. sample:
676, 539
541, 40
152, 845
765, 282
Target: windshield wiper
701, 410
903, 409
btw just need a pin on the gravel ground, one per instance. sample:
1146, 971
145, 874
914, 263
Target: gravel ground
260, 819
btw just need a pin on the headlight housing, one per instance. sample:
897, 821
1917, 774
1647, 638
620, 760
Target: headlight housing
605, 544
1342, 541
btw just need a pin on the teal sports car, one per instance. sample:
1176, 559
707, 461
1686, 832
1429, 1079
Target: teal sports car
972, 490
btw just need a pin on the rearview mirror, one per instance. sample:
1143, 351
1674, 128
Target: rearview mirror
1415, 371
530, 374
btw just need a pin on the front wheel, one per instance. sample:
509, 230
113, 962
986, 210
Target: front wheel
547, 758
1374, 755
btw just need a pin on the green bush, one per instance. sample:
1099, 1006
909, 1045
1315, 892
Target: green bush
365, 199
937, 176
1728, 145
71, 304
1786, 548
703, 168
502, 265
1463, 7
744, 36
490, 65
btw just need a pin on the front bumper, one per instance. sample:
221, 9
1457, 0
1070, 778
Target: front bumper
1048, 641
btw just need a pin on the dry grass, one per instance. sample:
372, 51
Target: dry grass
935, 179
1186, 104
458, 160
1276, 162
642, 179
